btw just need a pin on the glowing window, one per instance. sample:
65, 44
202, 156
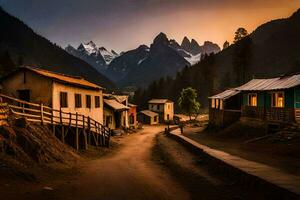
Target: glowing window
278, 99
213, 104
252, 99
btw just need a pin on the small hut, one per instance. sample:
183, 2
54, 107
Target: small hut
148, 117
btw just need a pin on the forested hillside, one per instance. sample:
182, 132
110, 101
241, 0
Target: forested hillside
20, 45
271, 50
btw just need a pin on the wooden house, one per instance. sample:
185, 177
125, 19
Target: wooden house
164, 107
225, 108
148, 117
270, 100
274, 99
132, 115
116, 111
71, 94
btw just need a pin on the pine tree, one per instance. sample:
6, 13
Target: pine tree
226, 45
240, 34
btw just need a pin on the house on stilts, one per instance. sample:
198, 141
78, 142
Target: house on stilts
269, 100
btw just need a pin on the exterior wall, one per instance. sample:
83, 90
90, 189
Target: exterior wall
94, 113
169, 111
145, 119
222, 118
109, 113
40, 87
132, 112
164, 110
156, 107
297, 97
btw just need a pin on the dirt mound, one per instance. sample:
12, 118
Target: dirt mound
24, 148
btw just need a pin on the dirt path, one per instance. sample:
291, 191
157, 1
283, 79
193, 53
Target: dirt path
127, 174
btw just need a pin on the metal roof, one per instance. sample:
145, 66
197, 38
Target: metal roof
159, 101
278, 83
149, 113
115, 104
73, 80
226, 94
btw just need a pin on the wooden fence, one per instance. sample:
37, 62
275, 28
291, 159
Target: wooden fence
94, 133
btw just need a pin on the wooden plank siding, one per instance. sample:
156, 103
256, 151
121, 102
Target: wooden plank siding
269, 114
223, 118
297, 115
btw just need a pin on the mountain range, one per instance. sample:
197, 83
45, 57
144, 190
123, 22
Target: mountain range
271, 50
25, 47
164, 57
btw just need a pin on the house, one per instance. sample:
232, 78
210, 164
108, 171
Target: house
164, 107
58, 91
270, 100
148, 117
116, 111
225, 108
274, 99
132, 115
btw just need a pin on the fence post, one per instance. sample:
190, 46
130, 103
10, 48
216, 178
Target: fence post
70, 119
89, 130
84, 133
42, 114
77, 134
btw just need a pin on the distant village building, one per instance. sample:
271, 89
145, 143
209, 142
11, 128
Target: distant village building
116, 111
164, 107
148, 117
132, 115
272, 100
58, 91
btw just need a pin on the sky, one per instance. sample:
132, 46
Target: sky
125, 24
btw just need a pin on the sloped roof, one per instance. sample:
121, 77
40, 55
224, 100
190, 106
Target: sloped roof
119, 98
149, 113
132, 105
278, 83
159, 101
115, 104
73, 80
226, 94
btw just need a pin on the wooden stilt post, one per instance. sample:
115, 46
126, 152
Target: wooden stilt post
42, 114
52, 123
77, 133
89, 130
62, 127
84, 133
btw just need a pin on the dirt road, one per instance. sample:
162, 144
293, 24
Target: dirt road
127, 174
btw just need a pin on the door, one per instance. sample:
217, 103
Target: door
24, 95
118, 119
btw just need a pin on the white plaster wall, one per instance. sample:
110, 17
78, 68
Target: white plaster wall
94, 113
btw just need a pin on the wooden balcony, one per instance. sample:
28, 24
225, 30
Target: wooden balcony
270, 114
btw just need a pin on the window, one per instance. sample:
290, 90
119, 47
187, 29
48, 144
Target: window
278, 99
97, 101
252, 99
155, 118
217, 103
213, 103
88, 101
78, 103
63, 99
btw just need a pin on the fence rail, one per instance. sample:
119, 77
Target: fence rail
46, 115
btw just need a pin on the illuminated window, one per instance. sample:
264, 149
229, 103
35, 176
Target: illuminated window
221, 104
213, 104
252, 99
217, 103
278, 99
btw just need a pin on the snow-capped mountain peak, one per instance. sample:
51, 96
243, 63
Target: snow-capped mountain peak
89, 48
108, 55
